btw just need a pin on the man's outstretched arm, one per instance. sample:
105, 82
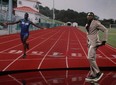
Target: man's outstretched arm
2, 24
12, 23
36, 25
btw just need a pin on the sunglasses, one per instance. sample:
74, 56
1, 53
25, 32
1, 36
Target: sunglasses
89, 15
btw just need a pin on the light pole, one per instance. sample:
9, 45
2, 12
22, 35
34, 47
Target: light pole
53, 11
10, 15
1, 9
1, 5
10, 10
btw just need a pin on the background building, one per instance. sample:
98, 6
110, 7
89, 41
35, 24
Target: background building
33, 14
34, 4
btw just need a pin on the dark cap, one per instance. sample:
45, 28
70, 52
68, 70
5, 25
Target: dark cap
90, 14
26, 14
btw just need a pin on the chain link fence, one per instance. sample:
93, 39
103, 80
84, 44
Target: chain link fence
11, 29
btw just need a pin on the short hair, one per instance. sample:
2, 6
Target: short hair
90, 14
26, 14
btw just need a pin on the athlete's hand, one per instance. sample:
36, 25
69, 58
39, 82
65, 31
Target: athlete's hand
44, 28
41, 28
103, 43
5, 24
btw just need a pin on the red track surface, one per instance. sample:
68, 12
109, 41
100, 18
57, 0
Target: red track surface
61, 47
60, 77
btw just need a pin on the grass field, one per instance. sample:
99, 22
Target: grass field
111, 36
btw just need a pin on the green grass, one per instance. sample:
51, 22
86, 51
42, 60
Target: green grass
111, 36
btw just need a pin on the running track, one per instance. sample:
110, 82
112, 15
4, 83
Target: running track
57, 77
59, 47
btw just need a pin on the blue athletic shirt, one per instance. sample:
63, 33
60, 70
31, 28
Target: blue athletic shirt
24, 24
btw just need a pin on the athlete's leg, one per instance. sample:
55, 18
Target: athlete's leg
91, 73
24, 40
95, 71
92, 60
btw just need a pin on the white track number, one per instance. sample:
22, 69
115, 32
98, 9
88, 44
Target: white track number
15, 51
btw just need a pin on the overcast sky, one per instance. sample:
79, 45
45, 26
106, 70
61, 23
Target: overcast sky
102, 8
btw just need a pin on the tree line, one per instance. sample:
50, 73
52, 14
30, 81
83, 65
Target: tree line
72, 16
68, 15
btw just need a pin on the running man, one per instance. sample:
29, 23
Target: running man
92, 27
24, 34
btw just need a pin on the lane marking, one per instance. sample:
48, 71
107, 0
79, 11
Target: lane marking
15, 79
108, 57
73, 54
28, 51
114, 56
15, 52
44, 78
33, 59
18, 38
67, 66
37, 53
21, 43
75, 48
12, 62
74, 79
76, 55
57, 54
49, 51
9, 41
12, 51
112, 48
80, 45
99, 56
19, 51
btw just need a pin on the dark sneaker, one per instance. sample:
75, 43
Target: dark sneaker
98, 76
90, 78
24, 56
27, 46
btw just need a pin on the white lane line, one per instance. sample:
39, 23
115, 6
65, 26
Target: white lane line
110, 47
80, 45
12, 62
67, 73
44, 78
34, 59
21, 43
9, 41
73, 54
15, 79
105, 76
114, 56
16, 39
49, 51
102, 53
6, 36
27, 52
67, 49
107, 57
